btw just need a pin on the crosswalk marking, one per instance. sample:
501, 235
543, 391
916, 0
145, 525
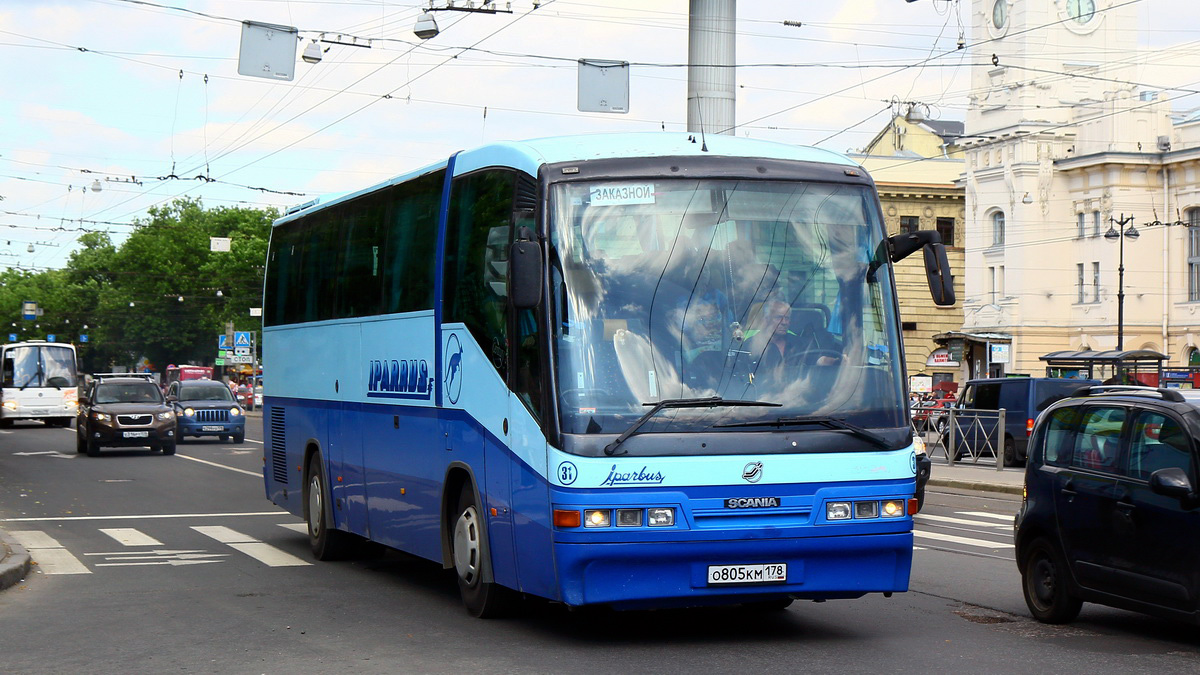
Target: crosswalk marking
50, 556
981, 543
1008, 517
960, 521
264, 553
301, 528
130, 537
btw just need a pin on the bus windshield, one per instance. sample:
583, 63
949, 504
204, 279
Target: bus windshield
39, 366
774, 292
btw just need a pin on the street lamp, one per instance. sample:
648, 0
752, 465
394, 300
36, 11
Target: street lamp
1112, 234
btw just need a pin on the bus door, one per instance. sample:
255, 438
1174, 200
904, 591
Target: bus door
344, 443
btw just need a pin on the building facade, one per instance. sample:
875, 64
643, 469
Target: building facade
1062, 146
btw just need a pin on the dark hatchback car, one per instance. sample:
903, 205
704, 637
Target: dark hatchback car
121, 411
1111, 513
207, 408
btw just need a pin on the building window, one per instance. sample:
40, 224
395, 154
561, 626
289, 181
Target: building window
1081, 225
992, 284
1000, 281
1095, 282
909, 224
1079, 283
998, 228
945, 227
1096, 231
1193, 261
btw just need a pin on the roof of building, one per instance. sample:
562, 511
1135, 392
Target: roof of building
949, 130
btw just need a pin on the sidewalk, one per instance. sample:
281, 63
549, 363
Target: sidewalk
14, 561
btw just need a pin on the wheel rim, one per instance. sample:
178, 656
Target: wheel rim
1043, 580
466, 546
316, 505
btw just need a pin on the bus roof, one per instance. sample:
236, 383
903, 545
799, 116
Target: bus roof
529, 155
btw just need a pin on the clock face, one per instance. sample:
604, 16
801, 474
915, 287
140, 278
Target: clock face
1000, 13
1081, 11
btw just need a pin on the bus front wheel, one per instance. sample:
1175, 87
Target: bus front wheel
484, 600
326, 542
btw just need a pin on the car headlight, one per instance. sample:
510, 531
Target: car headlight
101, 417
189, 411
234, 412
168, 415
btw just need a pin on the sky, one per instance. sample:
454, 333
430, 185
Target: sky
142, 98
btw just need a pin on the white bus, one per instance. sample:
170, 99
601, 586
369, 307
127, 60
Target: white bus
40, 382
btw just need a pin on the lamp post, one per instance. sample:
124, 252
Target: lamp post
1112, 234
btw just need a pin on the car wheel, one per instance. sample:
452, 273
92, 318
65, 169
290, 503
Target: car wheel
93, 448
1010, 452
168, 448
484, 600
1044, 583
239, 437
80, 443
326, 542
940, 426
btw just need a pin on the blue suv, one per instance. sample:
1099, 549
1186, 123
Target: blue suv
1111, 513
207, 408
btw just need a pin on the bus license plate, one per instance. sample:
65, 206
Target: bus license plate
770, 573
137, 434
212, 428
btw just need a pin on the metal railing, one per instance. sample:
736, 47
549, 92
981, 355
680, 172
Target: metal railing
974, 434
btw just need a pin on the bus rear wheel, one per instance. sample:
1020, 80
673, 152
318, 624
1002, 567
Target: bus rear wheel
326, 542
483, 599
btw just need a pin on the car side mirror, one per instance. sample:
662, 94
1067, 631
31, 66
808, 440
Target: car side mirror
1173, 482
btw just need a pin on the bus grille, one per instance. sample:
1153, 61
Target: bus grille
279, 469
212, 415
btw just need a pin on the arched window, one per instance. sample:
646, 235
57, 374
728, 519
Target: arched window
1193, 358
998, 228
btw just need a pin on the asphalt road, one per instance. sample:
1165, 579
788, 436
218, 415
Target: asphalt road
148, 563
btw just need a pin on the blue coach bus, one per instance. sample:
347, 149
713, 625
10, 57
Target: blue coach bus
636, 370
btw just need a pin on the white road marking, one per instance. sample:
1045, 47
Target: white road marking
960, 521
256, 474
264, 553
302, 528
50, 556
961, 540
130, 537
988, 514
141, 517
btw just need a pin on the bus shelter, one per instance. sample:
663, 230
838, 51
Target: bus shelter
1131, 366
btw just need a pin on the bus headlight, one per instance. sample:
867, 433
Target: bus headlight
10, 405
597, 518
660, 517
893, 508
838, 511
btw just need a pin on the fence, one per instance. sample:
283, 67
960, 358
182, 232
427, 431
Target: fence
974, 434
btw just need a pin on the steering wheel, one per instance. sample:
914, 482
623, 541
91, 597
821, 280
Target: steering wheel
810, 357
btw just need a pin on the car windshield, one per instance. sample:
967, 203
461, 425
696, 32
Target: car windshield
214, 392
746, 290
133, 392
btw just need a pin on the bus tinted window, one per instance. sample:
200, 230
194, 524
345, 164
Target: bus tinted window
476, 279
411, 244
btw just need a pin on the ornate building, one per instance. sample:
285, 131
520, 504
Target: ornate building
1062, 147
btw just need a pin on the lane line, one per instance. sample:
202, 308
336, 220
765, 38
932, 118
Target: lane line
50, 519
51, 557
260, 551
220, 466
960, 540
128, 536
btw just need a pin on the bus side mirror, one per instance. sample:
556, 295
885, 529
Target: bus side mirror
525, 270
937, 271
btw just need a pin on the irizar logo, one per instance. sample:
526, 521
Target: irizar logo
753, 472
405, 378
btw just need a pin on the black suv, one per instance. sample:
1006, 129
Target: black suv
1110, 513
124, 410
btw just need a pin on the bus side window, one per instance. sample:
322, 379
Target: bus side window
475, 283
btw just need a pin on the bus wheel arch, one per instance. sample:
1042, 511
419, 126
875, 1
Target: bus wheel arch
466, 538
326, 542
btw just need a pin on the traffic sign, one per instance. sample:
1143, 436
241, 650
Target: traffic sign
241, 338
219, 362
51, 338
241, 351
83, 338
222, 341
29, 310
12, 337
241, 359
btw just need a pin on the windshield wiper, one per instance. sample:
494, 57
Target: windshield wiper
707, 402
819, 421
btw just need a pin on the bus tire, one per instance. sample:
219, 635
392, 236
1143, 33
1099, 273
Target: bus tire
326, 542
484, 600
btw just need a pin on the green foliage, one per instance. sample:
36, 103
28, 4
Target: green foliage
129, 297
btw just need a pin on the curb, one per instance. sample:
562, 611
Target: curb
14, 563
978, 486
